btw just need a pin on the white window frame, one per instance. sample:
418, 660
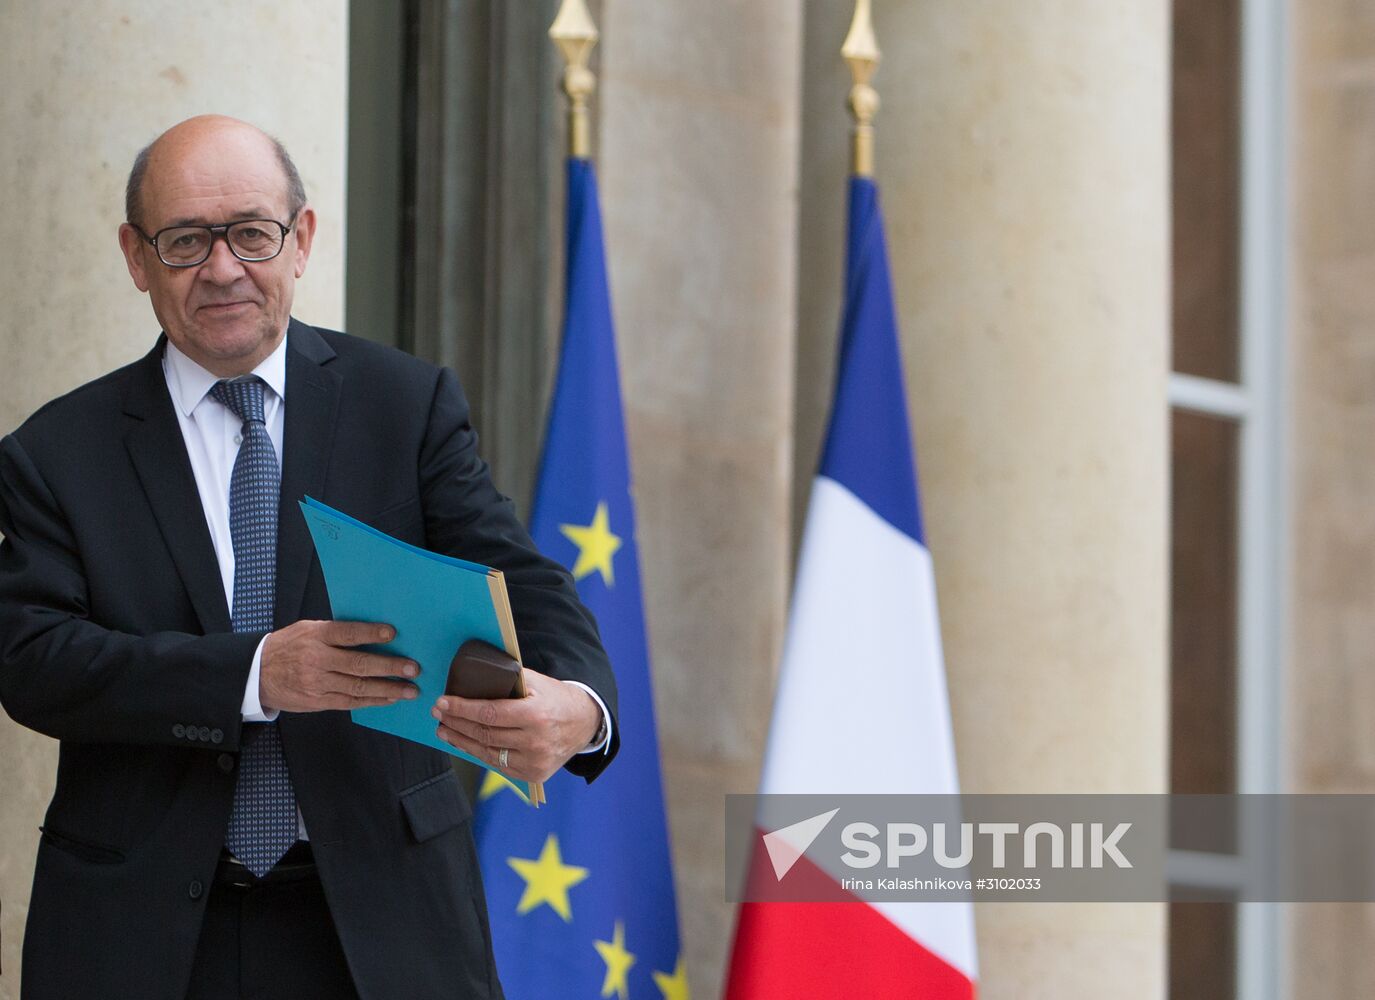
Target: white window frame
1257, 404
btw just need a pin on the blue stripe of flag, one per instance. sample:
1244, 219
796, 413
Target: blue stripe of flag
868, 443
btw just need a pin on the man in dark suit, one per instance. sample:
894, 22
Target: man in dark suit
219, 827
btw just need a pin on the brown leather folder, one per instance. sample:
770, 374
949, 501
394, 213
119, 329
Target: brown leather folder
480, 670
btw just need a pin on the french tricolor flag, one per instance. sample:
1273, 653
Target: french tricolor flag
862, 705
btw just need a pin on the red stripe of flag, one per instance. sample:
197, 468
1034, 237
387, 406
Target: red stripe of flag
830, 950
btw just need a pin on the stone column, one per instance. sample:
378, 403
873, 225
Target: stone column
1022, 156
698, 107
82, 87
1331, 688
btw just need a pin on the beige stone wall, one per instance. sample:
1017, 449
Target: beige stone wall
1026, 148
82, 86
1331, 349
1023, 163
698, 160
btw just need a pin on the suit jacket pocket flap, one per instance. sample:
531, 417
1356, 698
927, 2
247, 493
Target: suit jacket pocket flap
435, 805
86, 850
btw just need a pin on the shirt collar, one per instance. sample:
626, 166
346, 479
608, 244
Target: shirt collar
190, 383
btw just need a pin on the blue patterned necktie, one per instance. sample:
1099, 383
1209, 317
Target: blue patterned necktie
262, 824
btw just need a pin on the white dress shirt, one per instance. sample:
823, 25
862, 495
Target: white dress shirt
212, 435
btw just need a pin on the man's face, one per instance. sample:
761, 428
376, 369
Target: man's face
225, 314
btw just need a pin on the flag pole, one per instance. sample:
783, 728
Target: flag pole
575, 35
861, 53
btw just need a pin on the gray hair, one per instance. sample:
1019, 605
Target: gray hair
133, 190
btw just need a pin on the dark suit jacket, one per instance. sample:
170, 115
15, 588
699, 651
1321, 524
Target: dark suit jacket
115, 640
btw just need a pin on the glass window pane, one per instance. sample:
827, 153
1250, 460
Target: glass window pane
1203, 951
1205, 127
1203, 583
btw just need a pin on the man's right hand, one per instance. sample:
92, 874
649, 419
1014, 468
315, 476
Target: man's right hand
312, 666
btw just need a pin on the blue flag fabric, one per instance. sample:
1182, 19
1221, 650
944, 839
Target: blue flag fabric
873, 458
580, 891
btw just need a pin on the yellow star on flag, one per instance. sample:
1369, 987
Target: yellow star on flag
618, 962
547, 880
673, 987
492, 784
596, 545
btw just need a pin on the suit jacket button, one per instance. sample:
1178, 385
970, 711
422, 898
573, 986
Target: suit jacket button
226, 762
195, 889
217, 736
191, 733
178, 730
204, 733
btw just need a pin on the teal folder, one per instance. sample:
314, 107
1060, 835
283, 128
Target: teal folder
435, 602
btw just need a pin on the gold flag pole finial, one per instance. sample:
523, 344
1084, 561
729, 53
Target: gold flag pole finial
575, 35
861, 52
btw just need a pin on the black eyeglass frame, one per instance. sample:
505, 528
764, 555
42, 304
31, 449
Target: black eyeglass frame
221, 230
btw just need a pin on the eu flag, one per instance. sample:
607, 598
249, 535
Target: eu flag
580, 891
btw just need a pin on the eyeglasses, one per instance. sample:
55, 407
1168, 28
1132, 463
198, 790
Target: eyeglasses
250, 240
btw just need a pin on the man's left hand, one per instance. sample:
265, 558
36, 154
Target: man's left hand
539, 732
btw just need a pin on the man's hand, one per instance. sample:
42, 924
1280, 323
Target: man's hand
539, 732
311, 666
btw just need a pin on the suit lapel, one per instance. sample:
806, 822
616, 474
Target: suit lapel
159, 456
312, 403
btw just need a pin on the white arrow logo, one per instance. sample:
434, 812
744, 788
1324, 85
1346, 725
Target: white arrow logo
785, 846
